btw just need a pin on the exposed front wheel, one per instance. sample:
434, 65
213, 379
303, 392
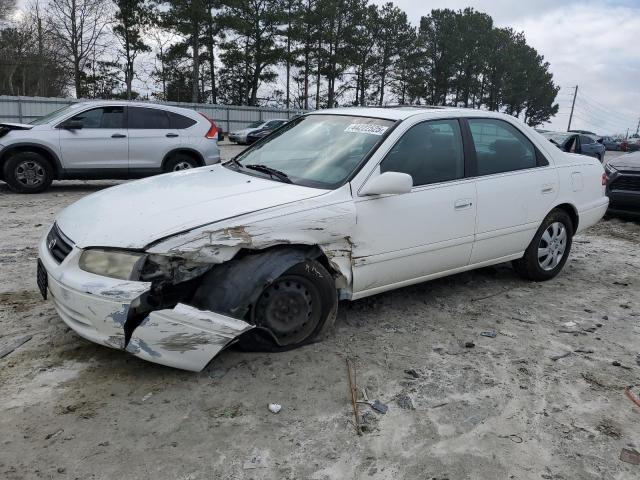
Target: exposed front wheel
28, 172
298, 306
548, 251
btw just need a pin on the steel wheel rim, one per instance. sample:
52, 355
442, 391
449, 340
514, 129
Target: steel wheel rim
182, 166
289, 308
30, 173
552, 246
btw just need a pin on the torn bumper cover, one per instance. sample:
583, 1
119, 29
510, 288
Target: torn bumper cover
97, 308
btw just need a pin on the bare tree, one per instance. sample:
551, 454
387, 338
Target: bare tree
79, 26
6, 8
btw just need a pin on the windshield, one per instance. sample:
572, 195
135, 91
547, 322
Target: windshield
557, 138
55, 114
315, 150
255, 124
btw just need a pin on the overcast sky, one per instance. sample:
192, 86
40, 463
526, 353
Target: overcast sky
592, 43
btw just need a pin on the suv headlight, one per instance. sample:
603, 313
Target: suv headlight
609, 169
111, 263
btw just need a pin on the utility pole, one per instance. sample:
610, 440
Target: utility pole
638, 127
573, 104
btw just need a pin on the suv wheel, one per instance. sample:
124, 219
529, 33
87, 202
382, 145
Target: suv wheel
179, 162
28, 172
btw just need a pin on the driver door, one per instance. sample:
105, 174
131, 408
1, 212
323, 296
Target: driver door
407, 238
101, 143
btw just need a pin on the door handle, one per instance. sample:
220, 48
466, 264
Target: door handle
462, 204
118, 135
547, 189
171, 135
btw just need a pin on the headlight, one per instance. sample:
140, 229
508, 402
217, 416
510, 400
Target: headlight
609, 169
110, 263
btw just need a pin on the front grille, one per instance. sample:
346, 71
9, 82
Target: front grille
58, 245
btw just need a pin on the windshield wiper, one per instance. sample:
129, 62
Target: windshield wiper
233, 160
271, 171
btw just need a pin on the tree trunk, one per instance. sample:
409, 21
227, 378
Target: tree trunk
195, 43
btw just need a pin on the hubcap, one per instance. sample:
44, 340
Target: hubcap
552, 246
30, 173
289, 308
182, 166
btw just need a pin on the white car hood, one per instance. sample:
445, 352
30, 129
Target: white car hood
135, 214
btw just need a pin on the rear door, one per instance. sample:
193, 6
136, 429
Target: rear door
516, 187
101, 143
151, 137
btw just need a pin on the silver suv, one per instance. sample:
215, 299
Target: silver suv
105, 139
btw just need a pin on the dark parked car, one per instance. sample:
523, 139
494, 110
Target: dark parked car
256, 135
577, 143
611, 143
623, 183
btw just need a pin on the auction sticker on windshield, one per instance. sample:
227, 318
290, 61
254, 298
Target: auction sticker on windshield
369, 128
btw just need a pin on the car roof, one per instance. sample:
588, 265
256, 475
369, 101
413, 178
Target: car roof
404, 112
97, 103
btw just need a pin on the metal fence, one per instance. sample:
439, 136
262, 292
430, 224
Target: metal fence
229, 117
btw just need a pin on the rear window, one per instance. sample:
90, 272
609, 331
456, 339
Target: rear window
148, 118
180, 121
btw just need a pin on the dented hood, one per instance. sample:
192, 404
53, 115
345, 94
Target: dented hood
135, 214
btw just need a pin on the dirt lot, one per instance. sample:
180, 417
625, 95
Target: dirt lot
506, 408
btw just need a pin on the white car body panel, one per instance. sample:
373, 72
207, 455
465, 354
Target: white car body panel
78, 148
372, 243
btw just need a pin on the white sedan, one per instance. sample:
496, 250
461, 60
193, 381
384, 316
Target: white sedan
339, 204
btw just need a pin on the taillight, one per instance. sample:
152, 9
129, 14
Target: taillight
605, 179
213, 131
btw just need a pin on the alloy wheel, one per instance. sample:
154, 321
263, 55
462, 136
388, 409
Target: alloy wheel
30, 173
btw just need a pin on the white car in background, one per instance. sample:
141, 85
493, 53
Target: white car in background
240, 136
337, 204
105, 139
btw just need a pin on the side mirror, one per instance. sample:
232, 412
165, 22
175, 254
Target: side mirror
389, 183
72, 125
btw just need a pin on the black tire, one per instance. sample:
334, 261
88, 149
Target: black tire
529, 266
297, 308
181, 161
28, 172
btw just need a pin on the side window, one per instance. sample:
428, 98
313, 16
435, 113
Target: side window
430, 152
149, 118
585, 140
500, 147
180, 121
104, 117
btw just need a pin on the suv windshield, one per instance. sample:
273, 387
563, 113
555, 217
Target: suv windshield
55, 114
315, 150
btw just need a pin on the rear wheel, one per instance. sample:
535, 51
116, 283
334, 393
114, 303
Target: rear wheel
28, 172
298, 306
181, 161
548, 251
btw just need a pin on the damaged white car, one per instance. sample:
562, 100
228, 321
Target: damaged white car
337, 204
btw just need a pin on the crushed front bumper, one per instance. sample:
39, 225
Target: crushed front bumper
97, 308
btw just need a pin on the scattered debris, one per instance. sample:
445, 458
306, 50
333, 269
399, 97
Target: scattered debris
616, 363
588, 310
378, 406
368, 422
555, 358
11, 346
605, 317
412, 373
632, 397
622, 284
609, 428
147, 396
217, 372
490, 334
513, 437
54, 434
440, 405
570, 324
275, 407
351, 371
582, 350
256, 460
404, 401
630, 456
469, 345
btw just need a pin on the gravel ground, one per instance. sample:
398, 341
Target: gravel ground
533, 402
